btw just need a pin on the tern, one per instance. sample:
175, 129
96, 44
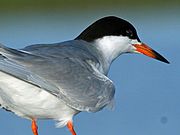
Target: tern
58, 81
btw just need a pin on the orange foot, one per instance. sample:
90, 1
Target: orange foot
71, 128
34, 127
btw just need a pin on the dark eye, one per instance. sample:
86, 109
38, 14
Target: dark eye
129, 33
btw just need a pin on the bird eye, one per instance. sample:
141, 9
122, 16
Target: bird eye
129, 33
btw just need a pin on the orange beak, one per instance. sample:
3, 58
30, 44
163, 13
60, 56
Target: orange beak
146, 50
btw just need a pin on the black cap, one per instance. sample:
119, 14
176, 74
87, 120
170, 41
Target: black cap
108, 26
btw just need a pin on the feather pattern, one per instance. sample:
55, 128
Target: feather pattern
76, 76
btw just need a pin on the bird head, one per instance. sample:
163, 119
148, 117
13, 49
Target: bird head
114, 36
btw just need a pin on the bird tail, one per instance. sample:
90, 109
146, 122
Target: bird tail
62, 122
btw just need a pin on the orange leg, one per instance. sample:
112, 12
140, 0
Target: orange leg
71, 128
34, 127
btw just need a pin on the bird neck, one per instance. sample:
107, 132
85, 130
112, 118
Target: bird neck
112, 46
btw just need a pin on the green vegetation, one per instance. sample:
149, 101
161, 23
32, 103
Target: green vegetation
14, 5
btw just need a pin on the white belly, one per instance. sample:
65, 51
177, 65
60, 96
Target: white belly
29, 101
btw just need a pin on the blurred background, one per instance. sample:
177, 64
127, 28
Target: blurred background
147, 91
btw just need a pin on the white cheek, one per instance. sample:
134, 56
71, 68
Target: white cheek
120, 44
111, 43
113, 46
110, 47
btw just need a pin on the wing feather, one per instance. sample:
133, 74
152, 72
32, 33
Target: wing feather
64, 71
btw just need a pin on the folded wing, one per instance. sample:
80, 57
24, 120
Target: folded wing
67, 72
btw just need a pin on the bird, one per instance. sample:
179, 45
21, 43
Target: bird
58, 81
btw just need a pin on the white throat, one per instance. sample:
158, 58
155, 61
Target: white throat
113, 46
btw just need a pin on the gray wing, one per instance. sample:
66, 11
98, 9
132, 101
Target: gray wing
64, 71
